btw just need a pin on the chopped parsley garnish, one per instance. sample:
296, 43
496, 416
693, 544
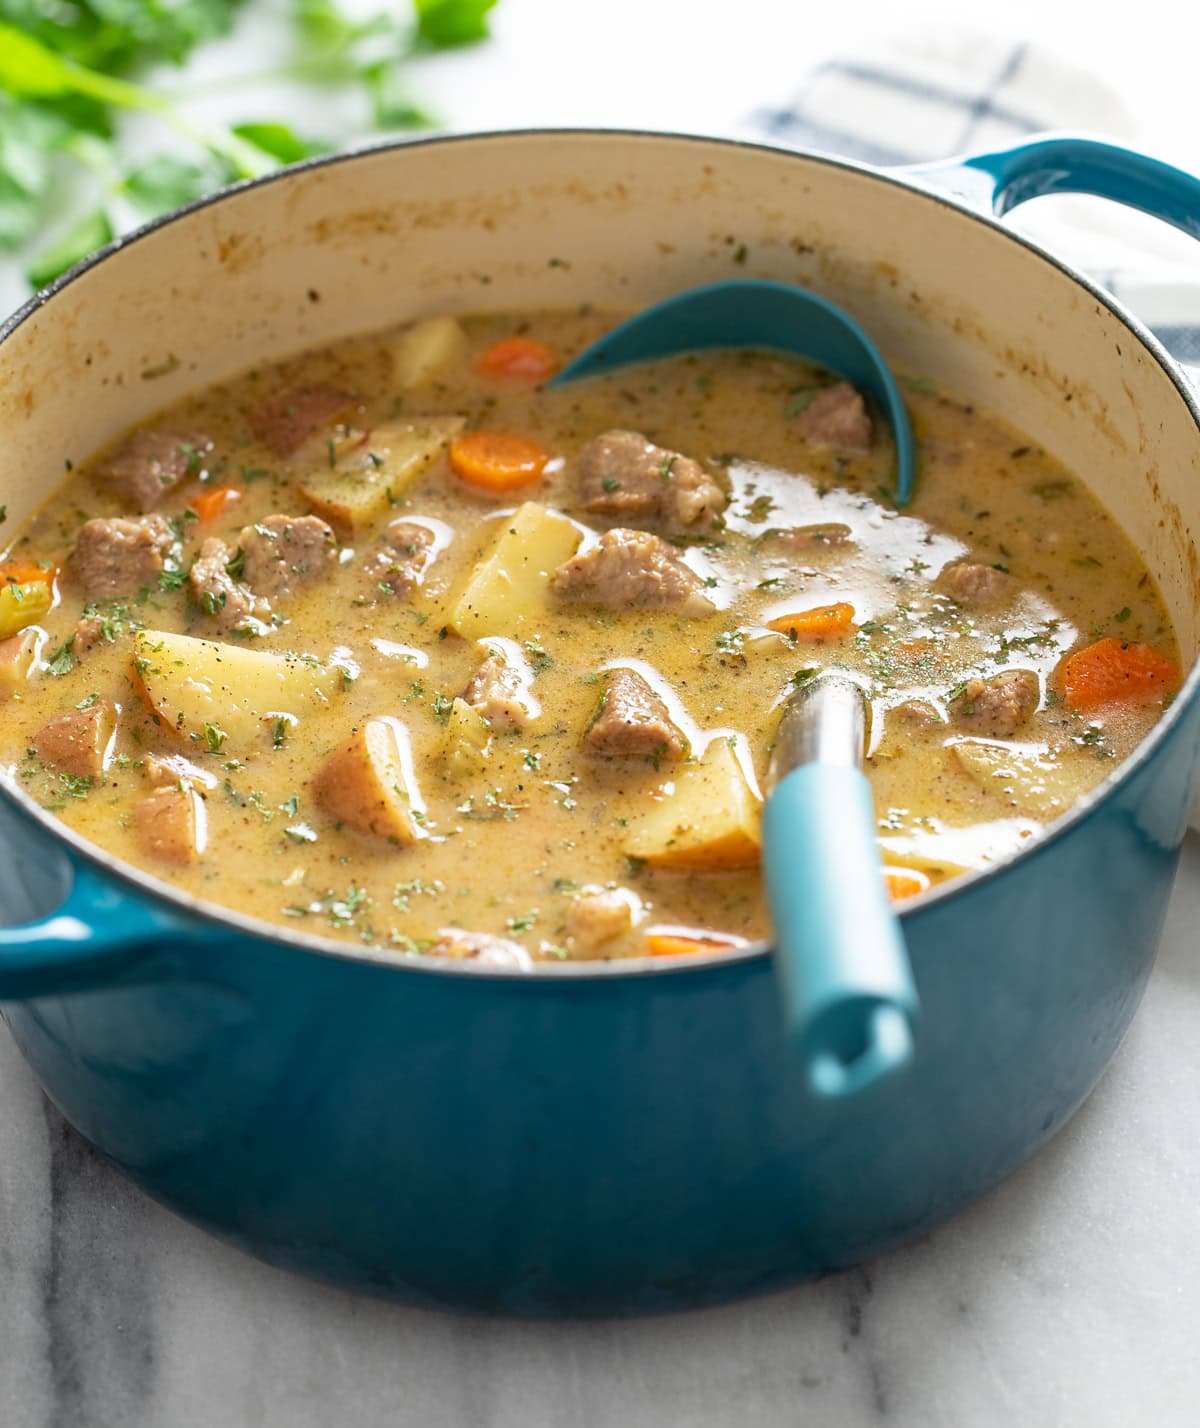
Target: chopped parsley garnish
180, 522
62, 661
416, 888
1053, 490
193, 459
803, 398
538, 658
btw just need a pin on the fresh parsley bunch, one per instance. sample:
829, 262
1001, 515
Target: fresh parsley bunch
68, 67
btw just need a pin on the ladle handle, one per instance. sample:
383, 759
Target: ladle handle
844, 975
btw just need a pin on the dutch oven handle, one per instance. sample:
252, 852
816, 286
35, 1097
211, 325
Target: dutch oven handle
1068, 163
95, 937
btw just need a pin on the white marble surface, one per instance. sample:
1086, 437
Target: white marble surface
1069, 1296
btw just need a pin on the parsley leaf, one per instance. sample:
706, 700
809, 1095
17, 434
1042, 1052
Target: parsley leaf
87, 234
68, 69
443, 23
280, 141
62, 661
165, 181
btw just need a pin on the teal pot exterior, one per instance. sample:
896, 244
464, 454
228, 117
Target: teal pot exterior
555, 1145
623, 1138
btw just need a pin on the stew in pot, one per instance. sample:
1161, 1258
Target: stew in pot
392, 642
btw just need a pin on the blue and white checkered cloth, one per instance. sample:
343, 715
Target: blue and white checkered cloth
915, 99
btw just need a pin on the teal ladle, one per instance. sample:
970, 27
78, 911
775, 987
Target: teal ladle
754, 312
844, 976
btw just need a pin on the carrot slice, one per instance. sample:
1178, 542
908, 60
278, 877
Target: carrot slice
672, 944
1112, 670
27, 572
521, 357
209, 503
904, 882
496, 460
827, 622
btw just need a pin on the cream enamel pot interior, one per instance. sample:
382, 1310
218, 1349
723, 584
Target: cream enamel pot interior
630, 1136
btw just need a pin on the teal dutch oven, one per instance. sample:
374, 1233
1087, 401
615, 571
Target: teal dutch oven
638, 1135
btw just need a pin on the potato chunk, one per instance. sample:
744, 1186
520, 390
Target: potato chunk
358, 492
170, 825
217, 695
369, 785
17, 656
508, 588
79, 742
711, 820
427, 350
1021, 775
467, 739
23, 604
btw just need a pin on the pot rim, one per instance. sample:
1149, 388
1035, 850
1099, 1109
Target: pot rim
959, 886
